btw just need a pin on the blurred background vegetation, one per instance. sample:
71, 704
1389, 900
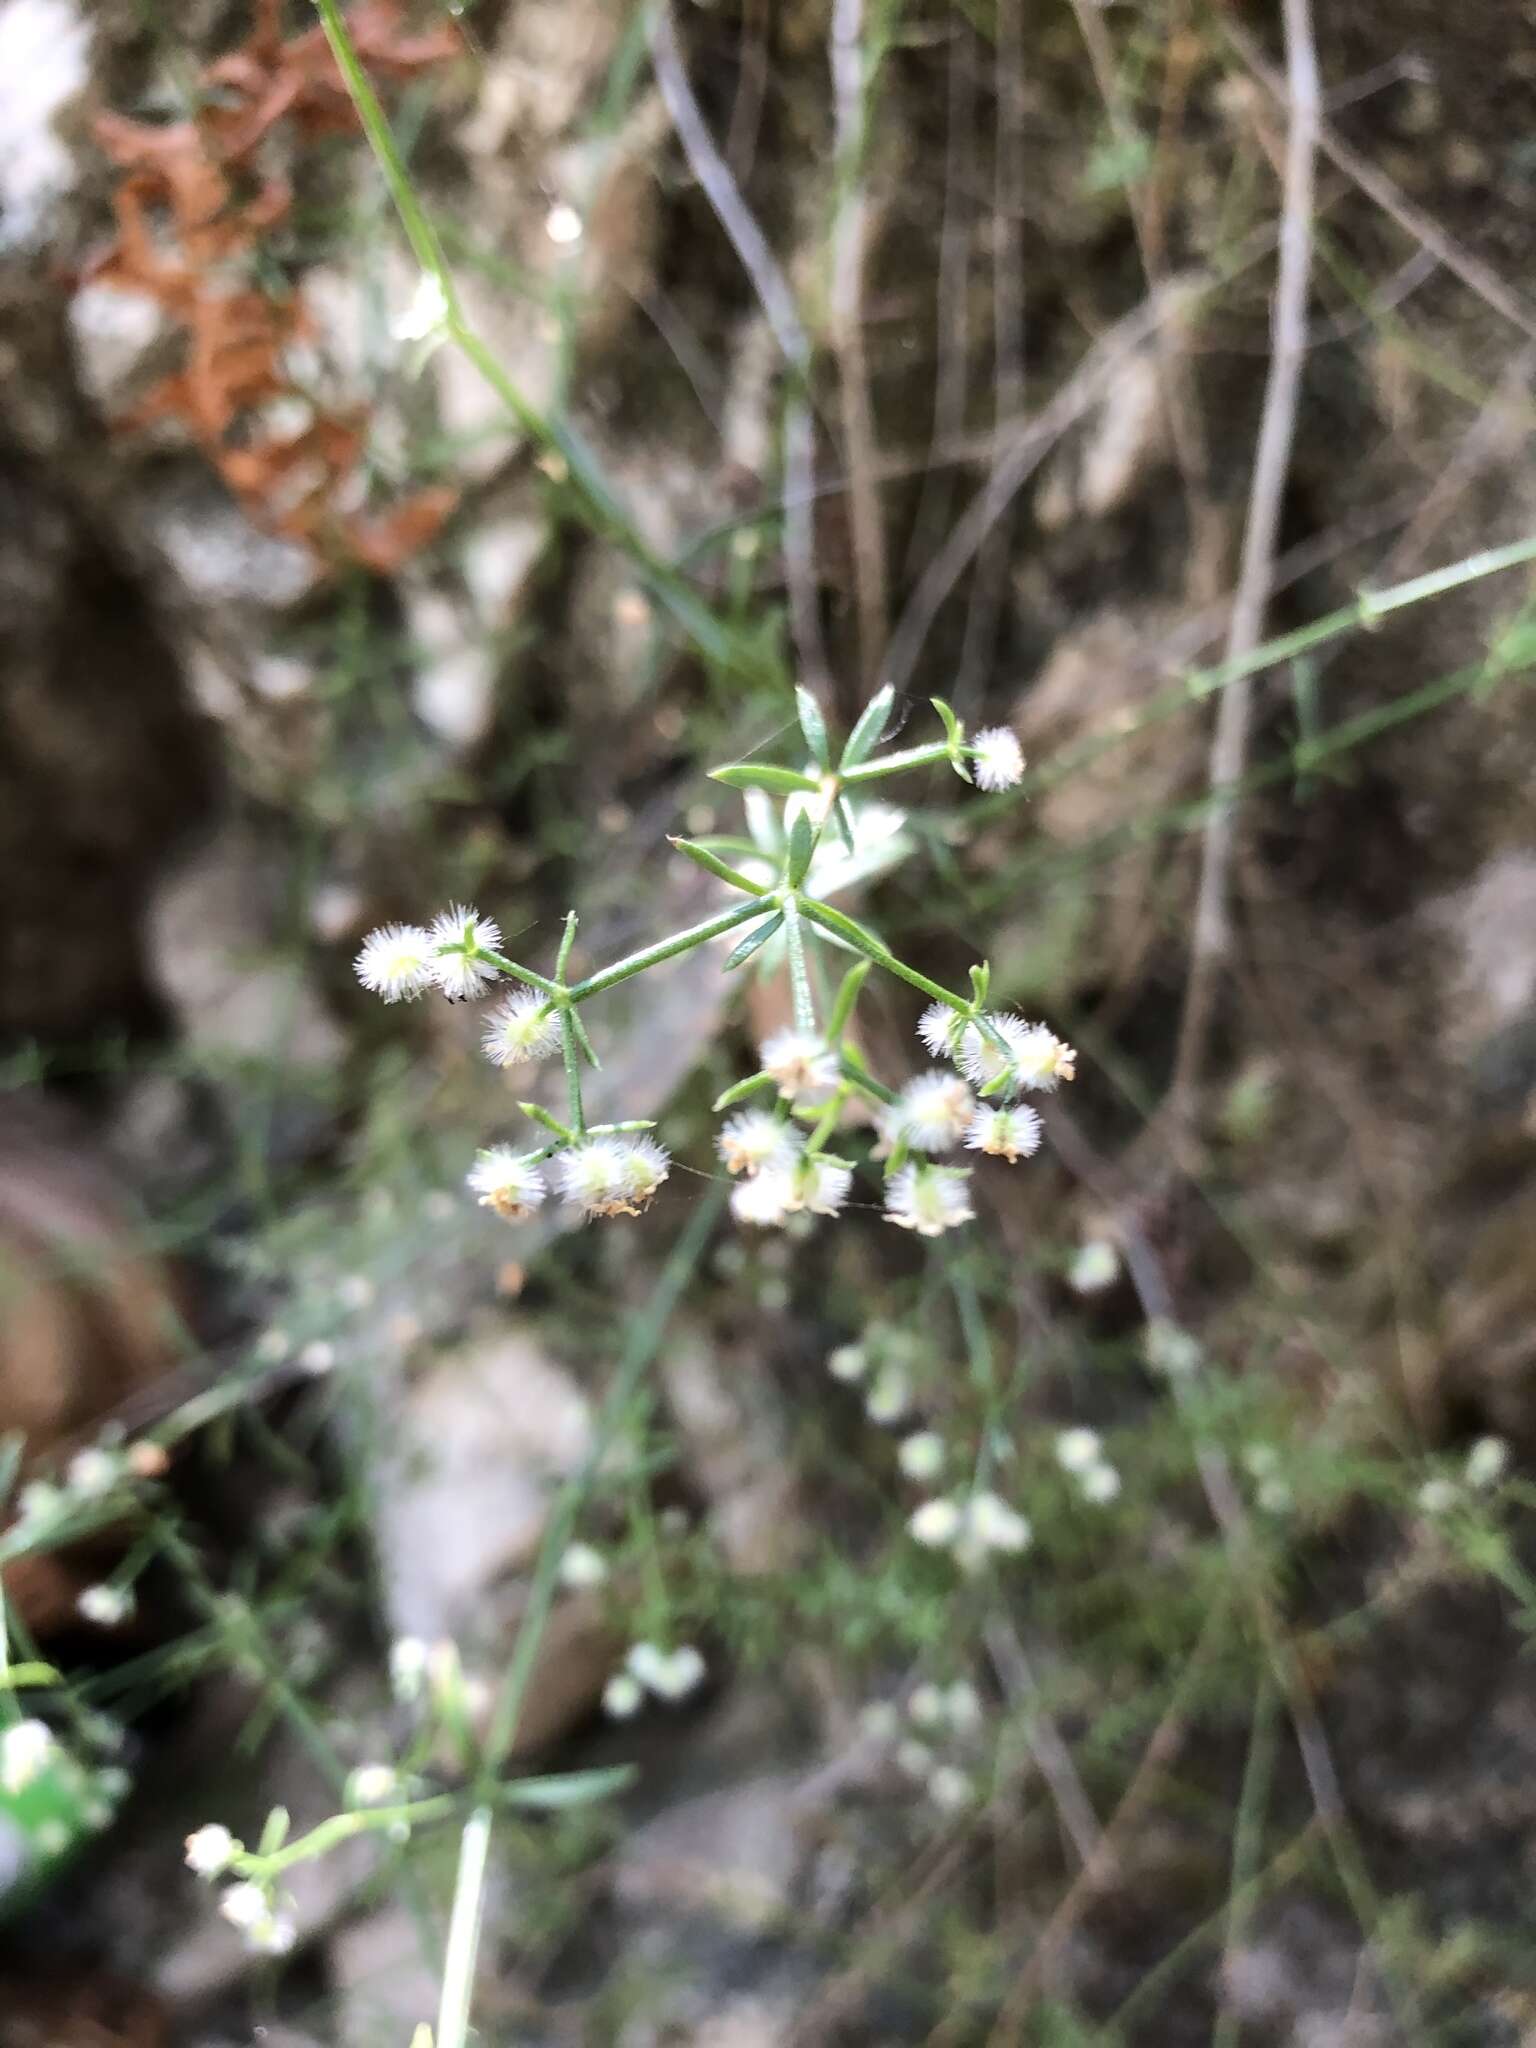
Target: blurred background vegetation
830, 342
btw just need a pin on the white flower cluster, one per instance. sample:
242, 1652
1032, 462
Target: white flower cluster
947, 1715
251, 1908
887, 1358
970, 1527
1080, 1453
668, 1675
402, 961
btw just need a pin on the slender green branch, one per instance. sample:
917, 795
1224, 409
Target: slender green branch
519, 973
854, 935
728, 649
667, 949
571, 1057
897, 764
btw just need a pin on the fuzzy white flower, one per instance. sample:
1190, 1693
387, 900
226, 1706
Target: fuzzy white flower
994, 1525
622, 1696
458, 936
1079, 1449
921, 1456
1438, 1496
756, 1140
522, 1028
803, 1066
1010, 1054
939, 1029
767, 1199
914, 1758
211, 1849
1274, 1496
1169, 1349
40, 1501
25, 1749
1095, 1266
670, 1674
934, 1111
962, 1705
317, 1358
1487, 1461
105, 1606
820, 1187
612, 1176
925, 1705
397, 961
92, 1473
407, 1668
508, 1182
245, 1906
274, 1936
1010, 1134
890, 1396
373, 1784
1100, 1484
929, 1199
997, 760
848, 1362
582, 1566
935, 1524
950, 1789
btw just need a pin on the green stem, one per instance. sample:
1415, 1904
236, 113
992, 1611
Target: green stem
833, 921
727, 648
464, 1931
519, 973
571, 1056
799, 976
645, 1336
896, 764
668, 949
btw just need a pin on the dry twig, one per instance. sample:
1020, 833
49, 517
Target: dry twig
1213, 910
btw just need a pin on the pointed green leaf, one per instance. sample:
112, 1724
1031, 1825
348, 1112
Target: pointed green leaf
802, 844
275, 1833
869, 731
981, 981
538, 1115
844, 824
755, 775
571, 1788
847, 928
752, 941
740, 1091
847, 996
712, 865
814, 726
15, 1676
589, 1052
954, 731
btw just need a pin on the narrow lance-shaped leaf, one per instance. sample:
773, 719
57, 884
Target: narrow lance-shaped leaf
870, 729
981, 981
814, 726
755, 775
802, 844
847, 996
749, 945
741, 1091
572, 1788
713, 865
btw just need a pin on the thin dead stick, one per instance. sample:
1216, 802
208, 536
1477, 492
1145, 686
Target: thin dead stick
991, 575
1155, 1296
849, 88
1017, 462
778, 302
951, 326
1012, 1665
1476, 275
1212, 940
1096, 1875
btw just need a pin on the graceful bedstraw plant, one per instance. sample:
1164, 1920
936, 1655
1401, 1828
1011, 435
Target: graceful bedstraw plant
811, 1082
